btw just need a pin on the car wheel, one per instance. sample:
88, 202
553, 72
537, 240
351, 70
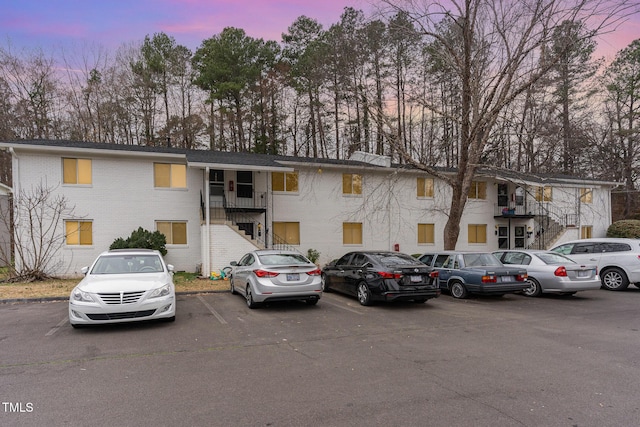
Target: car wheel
534, 289
249, 297
233, 288
364, 295
420, 300
325, 284
458, 290
614, 279
312, 301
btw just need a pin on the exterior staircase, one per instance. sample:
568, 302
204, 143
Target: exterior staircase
546, 232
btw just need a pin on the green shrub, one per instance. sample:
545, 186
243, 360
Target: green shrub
313, 255
629, 228
142, 239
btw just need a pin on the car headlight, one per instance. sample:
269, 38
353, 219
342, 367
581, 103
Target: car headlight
80, 295
161, 292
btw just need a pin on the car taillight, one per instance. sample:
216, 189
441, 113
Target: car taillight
489, 279
521, 277
386, 275
315, 272
263, 273
433, 274
560, 271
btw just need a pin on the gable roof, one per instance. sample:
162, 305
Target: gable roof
255, 161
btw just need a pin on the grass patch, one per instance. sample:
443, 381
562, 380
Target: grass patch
61, 288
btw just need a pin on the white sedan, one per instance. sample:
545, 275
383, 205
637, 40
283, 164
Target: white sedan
550, 272
124, 285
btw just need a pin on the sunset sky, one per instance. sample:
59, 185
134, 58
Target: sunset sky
51, 24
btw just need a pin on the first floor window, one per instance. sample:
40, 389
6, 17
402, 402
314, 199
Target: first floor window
352, 233
426, 233
79, 232
477, 233
174, 231
286, 232
586, 232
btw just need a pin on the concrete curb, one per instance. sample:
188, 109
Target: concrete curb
52, 299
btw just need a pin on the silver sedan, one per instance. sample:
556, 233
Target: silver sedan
272, 275
550, 272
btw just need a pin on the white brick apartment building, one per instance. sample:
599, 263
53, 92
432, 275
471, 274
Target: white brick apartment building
215, 206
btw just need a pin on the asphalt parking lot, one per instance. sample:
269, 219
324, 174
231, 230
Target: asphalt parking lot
496, 361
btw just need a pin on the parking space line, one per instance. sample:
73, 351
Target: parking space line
55, 328
212, 310
325, 301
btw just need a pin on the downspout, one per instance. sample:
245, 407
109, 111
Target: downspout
16, 170
207, 227
15, 180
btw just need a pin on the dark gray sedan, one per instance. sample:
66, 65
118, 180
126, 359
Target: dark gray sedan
551, 272
381, 276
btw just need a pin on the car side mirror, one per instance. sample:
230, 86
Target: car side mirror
233, 263
367, 265
84, 270
171, 268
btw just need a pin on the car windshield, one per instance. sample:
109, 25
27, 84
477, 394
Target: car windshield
125, 264
477, 260
282, 259
554, 258
395, 259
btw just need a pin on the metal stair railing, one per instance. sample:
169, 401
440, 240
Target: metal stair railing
221, 211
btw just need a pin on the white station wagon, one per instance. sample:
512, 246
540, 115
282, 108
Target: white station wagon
618, 259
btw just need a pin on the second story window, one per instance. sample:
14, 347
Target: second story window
543, 194
425, 187
169, 175
478, 190
76, 171
586, 195
285, 181
351, 183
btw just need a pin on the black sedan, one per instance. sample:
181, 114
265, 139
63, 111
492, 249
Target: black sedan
381, 276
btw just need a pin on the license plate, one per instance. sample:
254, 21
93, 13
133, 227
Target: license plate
293, 276
507, 279
584, 273
416, 279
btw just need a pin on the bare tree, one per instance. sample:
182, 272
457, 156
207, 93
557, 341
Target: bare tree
35, 219
495, 50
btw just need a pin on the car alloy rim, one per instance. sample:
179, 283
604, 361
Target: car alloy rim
457, 290
612, 280
362, 293
531, 289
